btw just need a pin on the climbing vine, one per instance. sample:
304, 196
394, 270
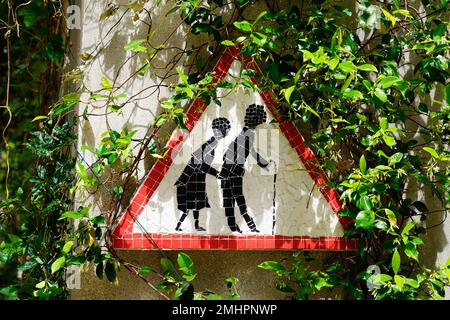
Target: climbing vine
371, 97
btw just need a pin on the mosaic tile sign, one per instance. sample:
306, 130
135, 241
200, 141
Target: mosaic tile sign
240, 179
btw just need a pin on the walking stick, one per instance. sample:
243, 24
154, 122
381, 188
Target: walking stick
274, 217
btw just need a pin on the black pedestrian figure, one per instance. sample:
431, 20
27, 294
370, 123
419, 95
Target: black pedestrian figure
232, 171
191, 185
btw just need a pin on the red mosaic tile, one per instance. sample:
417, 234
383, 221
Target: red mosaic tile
214, 243
288, 243
270, 242
175, 241
128, 244
134, 207
118, 243
232, 244
204, 244
314, 244
195, 242
278, 243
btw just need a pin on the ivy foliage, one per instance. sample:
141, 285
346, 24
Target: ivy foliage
349, 88
361, 93
35, 162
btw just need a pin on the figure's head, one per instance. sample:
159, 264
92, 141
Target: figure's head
221, 127
254, 116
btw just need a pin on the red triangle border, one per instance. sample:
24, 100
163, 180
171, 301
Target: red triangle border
124, 238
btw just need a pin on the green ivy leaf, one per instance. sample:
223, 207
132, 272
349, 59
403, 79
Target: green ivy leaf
368, 67
395, 263
272, 265
117, 192
388, 82
98, 220
392, 218
71, 97
432, 152
99, 270
307, 55
288, 92
65, 106
411, 251
228, 43
106, 84
136, 6
353, 95
365, 219
111, 271
385, 277
405, 13
380, 94
72, 215
389, 140
108, 12
395, 158
244, 26
259, 38
399, 281
145, 270
184, 292
364, 203
347, 67
390, 17
333, 63
9, 293
423, 107
259, 17
114, 107
167, 265
67, 247
183, 77
416, 240
362, 164
214, 296
412, 283
39, 118
186, 265
408, 227
381, 225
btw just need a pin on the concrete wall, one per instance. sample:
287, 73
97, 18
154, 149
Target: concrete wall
107, 39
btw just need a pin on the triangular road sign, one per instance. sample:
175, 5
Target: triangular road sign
285, 205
